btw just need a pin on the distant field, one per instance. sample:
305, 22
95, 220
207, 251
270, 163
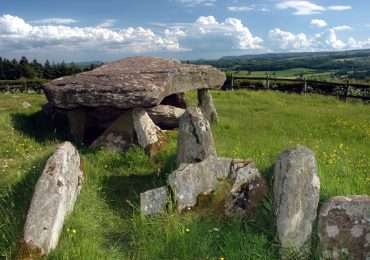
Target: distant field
106, 220
292, 73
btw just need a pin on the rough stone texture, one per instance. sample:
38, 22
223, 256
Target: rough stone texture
55, 194
195, 140
119, 135
154, 201
296, 196
193, 179
166, 117
176, 100
149, 136
77, 123
133, 126
206, 105
344, 228
131, 82
247, 192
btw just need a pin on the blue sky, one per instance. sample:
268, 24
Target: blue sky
84, 30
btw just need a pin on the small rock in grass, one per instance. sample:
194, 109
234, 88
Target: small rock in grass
154, 201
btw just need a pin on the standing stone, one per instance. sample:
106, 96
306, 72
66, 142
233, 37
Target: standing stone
149, 136
55, 194
344, 228
166, 117
154, 201
195, 140
206, 105
296, 196
77, 123
249, 189
193, 179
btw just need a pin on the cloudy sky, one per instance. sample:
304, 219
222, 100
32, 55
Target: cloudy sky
85, 30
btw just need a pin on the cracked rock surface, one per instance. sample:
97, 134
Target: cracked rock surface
195, 140
131, 82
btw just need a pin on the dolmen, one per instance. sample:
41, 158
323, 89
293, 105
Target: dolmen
130, 100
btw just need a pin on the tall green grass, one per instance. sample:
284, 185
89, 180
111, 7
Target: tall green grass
106, 222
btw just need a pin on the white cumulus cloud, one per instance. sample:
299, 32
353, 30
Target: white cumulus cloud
318, 23
206, 33
325, 41
16, 34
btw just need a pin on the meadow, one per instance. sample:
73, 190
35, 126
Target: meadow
106, 222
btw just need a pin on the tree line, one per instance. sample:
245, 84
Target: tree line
24, 69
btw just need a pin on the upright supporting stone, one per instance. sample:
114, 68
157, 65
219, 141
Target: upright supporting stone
344, 228
55, 194
149, 136
296, 197
206, 105
195, 140
77, 123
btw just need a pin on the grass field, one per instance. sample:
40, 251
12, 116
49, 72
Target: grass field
289, 73
106, 223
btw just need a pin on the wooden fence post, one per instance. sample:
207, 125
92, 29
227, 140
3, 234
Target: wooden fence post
347, 90
267, 82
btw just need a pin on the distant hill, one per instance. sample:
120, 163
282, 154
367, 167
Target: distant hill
339, 54
321, 61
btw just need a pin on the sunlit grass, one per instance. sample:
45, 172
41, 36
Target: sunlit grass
106, 222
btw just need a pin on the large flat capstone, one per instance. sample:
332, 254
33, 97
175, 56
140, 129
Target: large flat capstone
55, 194
131, 82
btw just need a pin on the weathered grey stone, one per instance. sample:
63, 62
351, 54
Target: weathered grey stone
149, 136
296, 195
154, 201
249, 189
344, 227
119, 135
193, 179
164, 116
131, 82
195, 140
55, 194
77, 123
132, 127
206, 105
